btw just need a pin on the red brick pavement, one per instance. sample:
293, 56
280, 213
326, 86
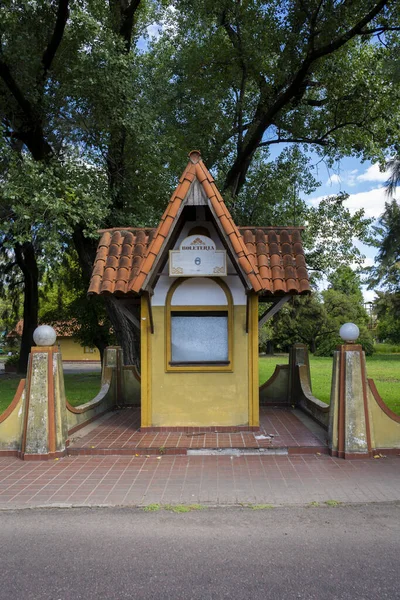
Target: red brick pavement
120, 434
130, 481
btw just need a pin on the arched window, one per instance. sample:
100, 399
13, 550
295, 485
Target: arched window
199, 325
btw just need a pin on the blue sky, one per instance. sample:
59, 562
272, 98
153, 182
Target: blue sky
365, 184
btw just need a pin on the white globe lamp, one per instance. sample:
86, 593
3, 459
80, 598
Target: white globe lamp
44, 335
349, 332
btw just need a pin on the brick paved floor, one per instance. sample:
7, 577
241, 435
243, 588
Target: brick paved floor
120, 433
123, 480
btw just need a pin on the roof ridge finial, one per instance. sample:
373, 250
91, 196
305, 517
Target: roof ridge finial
195, 156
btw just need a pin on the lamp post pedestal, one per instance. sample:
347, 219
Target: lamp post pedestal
349, 419
45, 428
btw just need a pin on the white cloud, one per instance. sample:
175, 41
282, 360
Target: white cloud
353, 177
369, 295
335, 178
373, 202
373, 173
154, 31
369, 261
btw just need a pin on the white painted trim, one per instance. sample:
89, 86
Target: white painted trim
199, 291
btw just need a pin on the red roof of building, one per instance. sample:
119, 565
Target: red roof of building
271, 259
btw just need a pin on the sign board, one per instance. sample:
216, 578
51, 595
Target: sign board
197, 255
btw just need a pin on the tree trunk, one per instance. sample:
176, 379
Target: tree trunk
270, 348
101, 345
127, 335
26, 260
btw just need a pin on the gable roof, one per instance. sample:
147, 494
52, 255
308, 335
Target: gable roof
271, 260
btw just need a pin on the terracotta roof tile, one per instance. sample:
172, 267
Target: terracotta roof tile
236, 245
227, 225
272, 259
218, 207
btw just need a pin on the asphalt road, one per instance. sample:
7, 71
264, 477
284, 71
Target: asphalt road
324, 553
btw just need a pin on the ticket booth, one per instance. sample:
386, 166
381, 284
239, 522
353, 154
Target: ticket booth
199, 279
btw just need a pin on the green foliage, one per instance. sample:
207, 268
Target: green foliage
387, 348
333, 503
271, 194
330, 233
343, 308
346, 281
95, 133
386, 271
12, 361
301, 321
183, 508
343, 303
63, 303
387, 308
152, 507
315, 320
330, 342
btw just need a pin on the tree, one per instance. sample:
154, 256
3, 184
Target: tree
63, 304
387, 308
393, 165
65, 73
303, 321
346, 281
245, 76
343, 302
386, 271
82, 103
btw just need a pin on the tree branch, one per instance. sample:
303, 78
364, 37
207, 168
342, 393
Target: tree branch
318, 141
350, 34
126, 27
15, 90
55, 40
265, 114
378, 30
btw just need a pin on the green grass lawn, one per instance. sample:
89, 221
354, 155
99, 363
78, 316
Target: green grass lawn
384, 369
79, 388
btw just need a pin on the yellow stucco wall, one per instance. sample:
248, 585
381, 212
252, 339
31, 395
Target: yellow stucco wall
385, 432
72, 350
200, 398
11, 426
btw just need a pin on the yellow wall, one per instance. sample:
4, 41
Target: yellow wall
385, 432
72, 350
11, 421
196, 399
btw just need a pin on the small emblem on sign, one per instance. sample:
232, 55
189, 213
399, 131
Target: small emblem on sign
197, 261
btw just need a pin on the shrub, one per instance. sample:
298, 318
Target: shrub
329, 343
12, 361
